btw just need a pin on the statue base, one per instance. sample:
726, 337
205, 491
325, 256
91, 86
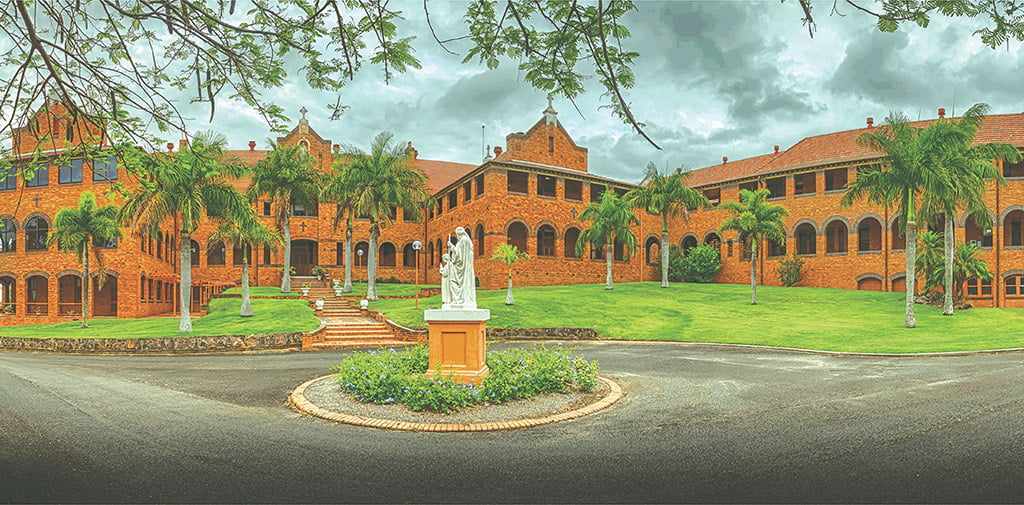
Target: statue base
457, 340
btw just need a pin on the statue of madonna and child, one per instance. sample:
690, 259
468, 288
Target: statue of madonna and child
458, 276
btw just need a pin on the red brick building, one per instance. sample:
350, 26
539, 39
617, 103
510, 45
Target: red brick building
529, 193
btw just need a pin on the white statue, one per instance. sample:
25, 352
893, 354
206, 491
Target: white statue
446, 280
462, 272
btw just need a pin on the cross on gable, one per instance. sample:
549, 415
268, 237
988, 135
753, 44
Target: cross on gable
303, 226
36, 199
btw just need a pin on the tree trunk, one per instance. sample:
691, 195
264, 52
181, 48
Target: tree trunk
246, 310
348, 254
608, 251
947, 299
509, 300
753, 272
85, 288
371, 264
185, 290
286, 275
911, 253
664, 252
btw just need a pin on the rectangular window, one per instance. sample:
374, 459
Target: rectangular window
408, 217
1013, 169
41, 177
10, 180
518, 182
303, 211
479, 184
776, 249
776, 187
596, 190
104, 169
729, 243
453, 199
266, 208
1016, 227
266, 255
546, 186
713, 195
106, 244
804, 184
836, 179
71, 173
467, 189
574, 190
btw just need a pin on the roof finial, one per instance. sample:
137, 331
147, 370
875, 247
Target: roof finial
550, 114
303, 111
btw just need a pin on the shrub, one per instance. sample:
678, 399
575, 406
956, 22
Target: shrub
701, 264
675, 264
790, 269
386, 376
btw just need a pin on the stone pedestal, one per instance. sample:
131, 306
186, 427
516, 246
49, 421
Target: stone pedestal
457, 341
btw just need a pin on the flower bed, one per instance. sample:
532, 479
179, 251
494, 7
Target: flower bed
387, 376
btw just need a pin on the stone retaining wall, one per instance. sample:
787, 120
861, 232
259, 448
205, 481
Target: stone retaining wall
562, 333
144, 345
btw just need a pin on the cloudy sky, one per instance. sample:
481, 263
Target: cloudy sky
714, 78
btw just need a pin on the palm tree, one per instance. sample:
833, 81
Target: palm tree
509, 255
286, 176
963, 172
754, 219
243, 236
378, 183
930, 259
897, 180
668, 196
339, 188
968, 264
610, 221
188, 185
75, 229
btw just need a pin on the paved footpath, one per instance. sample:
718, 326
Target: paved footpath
698, 424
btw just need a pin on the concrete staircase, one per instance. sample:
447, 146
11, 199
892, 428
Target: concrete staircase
347, 326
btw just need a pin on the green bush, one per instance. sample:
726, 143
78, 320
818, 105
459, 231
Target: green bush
790, 269
701, 264
675, 264
386, 376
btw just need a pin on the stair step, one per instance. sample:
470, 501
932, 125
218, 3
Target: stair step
367, 343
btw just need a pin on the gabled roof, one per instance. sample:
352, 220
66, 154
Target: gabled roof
841, 147
441, 173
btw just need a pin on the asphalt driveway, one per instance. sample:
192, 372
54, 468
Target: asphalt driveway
698, 424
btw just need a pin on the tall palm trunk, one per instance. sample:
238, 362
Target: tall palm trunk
185, 290
947, 299
509, 299
371, 265
664, 251
608, 250
246, 310
909, 320
348, 253
753, 272
286, 276
85, 287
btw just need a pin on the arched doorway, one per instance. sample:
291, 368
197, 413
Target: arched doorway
304, 256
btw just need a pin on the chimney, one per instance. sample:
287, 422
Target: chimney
725, 159
497, 150
170, 146
942, 112
183, 145
776, 149
252, 145
871, 123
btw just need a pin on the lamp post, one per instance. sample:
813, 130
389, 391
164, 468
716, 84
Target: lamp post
360, 252
416, 246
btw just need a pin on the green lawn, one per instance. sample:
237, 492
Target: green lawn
269, 316
811, 318
261, 291
386, 289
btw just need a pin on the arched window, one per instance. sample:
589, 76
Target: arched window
238, 255
215, 254
38, 297
517, 234
194, 257
478, 235
898, 241
545, 241
713, 240
689, 242
572, 236
869, 235
776, 249
387, 254
430, 254
69, 294
1013, 229
142, 288
8, 236
977, 235
805, 243
835, 237
36, 231
408, 256
1014, 286
360, 260
651, 251
8, 295
619, 249
869, 284
159, 244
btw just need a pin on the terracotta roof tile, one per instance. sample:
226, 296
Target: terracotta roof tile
441, 173
729, 171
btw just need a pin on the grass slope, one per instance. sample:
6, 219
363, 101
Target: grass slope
812, 318
269, 316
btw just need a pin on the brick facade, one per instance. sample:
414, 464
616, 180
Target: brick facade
531, 193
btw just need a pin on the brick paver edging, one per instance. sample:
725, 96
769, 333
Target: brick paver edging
300, 403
